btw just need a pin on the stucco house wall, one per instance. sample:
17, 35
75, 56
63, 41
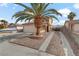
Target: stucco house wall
75, 26
29, 28
67, 24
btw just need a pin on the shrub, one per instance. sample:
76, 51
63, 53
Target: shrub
1, 26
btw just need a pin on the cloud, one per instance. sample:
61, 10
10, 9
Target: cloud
76, 5
2, 18
15, 5
7, 5
3, 4
64, 11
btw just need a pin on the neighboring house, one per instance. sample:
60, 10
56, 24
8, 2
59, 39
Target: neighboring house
75, 27
29, 28
1, 23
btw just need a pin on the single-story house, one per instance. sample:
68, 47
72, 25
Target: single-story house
30, 28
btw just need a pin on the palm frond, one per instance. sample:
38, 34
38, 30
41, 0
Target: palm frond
52, 11
21, 13
17, 14
51, 16
54, 17
20, 19
25, 6
35, 7
45, 6
28, 19
71, 15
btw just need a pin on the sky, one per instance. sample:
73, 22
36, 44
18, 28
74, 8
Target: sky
7, 10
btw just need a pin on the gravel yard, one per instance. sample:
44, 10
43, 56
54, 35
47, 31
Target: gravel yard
29, 41
55, 47
73, 40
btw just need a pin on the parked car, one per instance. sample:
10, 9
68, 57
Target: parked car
19, 28
57, 28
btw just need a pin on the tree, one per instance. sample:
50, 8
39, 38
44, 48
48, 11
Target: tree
4, 23
71, 17
37, 12
12, 25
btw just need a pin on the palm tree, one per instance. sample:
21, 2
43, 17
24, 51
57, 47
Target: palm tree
71, 17
37, 12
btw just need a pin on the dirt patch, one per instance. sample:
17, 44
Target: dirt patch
29, 41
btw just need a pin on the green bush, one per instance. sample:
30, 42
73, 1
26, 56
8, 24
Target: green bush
1, 26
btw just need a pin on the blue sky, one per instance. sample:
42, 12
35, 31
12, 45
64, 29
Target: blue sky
7, 10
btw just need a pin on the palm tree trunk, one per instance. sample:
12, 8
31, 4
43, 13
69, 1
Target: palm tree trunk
71, 25
38, 24
38, 31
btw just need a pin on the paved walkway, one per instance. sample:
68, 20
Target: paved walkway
46, 42
66, 45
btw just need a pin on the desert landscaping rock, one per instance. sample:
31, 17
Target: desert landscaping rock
55, 47
30, 42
